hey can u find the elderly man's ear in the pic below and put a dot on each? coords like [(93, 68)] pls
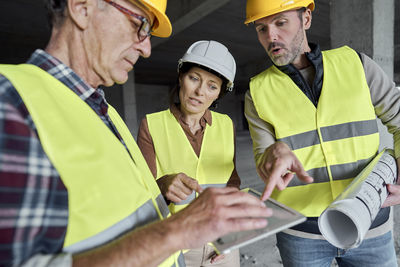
[(80, 11)]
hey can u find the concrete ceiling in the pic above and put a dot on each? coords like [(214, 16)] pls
[(23, 27)]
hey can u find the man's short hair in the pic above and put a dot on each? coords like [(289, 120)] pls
[(300, 12)]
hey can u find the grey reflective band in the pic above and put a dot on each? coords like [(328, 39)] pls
[(192, 196), (350, 129), (189, 199), (143, 215), (349, 170), (162, 205), (331, 133), (301, 140), (339, 172), (320, 175), (204, 186), (181, 260)]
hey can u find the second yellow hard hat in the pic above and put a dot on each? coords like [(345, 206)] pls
[(162, 26), (257, 9)]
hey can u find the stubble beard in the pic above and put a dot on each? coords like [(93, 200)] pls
[(292, 53)]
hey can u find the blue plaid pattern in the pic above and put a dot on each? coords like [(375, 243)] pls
[(33, 198)]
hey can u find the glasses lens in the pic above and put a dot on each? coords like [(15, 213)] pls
[(144, 30)]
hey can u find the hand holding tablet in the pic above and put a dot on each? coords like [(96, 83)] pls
[(282, 218)]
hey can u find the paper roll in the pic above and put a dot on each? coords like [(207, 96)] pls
[(346, 221)]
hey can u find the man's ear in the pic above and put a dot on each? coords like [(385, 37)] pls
[(307, 17), (80, 11)]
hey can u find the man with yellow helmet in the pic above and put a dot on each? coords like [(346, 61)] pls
[(75, 189), (312, 119)]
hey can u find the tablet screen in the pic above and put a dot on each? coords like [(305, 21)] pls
[(283, 217)]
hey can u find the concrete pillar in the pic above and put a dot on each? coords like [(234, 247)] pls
[(368, 27), (129, 104)]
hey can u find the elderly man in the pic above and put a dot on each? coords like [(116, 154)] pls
[(312, 122), (75, 189)]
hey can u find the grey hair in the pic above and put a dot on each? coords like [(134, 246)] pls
[(56, 11)]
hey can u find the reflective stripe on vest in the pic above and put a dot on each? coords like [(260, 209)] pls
[(181, 260), (108, 192), (174, 153), (143, 215), (333, 141)]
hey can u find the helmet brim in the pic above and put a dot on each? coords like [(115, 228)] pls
[(162, 26), (251, 19)]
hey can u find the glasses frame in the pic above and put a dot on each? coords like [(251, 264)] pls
[(145, 28)]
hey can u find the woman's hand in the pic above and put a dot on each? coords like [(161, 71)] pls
[(177, 187)]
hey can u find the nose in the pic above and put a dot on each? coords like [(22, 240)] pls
[(144, 47), (200, 88), (271, 34)]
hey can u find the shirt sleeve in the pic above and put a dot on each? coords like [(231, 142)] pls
[(33, 199), (385, 97), (146, 145), (60, 260), (262, 133)]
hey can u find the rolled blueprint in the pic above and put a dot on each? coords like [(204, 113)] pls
[(347, 219)]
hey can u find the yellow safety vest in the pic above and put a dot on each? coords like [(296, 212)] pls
[(175, 154), (110, 191), (334, 141)]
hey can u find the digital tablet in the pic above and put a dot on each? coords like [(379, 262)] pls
[(282, 218)]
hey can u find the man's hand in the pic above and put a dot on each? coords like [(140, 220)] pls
[(216, 258), (393, 190), (277, 167), (216, 212), (177, 187)]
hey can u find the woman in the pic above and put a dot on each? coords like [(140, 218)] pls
[(188, 147)]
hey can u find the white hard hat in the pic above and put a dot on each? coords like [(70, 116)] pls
[(214, 56)]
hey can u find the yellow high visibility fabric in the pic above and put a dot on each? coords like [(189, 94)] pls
[(174, 153), (104, 184), (345, 98)]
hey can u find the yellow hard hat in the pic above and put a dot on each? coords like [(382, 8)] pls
[(161, 26), (257, 9)]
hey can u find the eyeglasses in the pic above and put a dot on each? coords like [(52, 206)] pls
[(144, 29)]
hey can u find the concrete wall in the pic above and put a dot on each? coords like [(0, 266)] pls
[(231, 105), (150, 98)]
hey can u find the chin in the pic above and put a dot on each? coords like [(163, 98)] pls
[(280, 62), (120, 79), (197, 111)]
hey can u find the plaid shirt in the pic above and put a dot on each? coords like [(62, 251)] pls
[(33, 198)]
